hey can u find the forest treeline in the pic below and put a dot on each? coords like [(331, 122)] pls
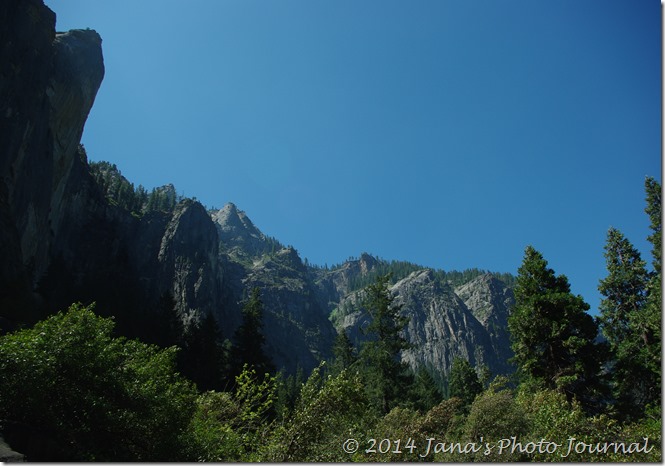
[(401, 269), (74, 390), (121, 192)]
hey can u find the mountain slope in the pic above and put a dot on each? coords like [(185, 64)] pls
[(74, 231)]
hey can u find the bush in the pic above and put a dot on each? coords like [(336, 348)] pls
[(72, 392), (212, 435), (329, 411), (583, 438)]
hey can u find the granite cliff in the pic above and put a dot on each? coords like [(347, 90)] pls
[(48, 84), (441, 325)]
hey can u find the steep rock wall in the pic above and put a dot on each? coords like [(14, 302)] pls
[(48, 84)]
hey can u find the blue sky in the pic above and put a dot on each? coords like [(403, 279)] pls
[(448, 133)]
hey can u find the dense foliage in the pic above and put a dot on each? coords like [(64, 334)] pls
[(70, 392)]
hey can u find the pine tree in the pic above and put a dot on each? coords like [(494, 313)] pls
[(249, 339), (288, 391), (425, 393), (624, 288), (167, 324), (631, 313), (344, 353), (625, 292), (553, 337), (654, 211), (463, 381), (388, 377), (650, 324)]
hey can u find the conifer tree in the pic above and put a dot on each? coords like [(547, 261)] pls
[(388, 377), (463, 381), (204, 359), (168, 327), (651, 321), (249, 339), (553, 337), (631, 313), (625, 292), (425, 393), (344, 353), (654, 211)]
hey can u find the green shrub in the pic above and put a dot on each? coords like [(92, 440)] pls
[(70, 392)]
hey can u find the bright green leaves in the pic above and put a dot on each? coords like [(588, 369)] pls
[(71, 391), (330, 410)]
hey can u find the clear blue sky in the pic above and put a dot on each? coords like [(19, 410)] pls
[(448, 133)]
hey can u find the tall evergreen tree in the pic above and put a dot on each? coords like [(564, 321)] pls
[(553, 337), (463, 381), (654, 211), (249, 339), (425, 393), (631, 313), (650, 323), (388, 378), (625, 292), (343, 352), (166, 323)]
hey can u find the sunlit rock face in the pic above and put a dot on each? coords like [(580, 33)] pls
[(443, 323), (490, 301)]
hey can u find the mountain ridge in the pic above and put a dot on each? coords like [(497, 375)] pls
[(79, 231)]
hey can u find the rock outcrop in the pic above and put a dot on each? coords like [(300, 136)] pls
[(188, 261), (441, 325), (7, 455), (333, 285), (297, 330), (490, 301), (241, 239)]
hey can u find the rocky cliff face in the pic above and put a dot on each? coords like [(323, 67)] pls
[(48, 84), (441, 325), (333, 285), (490, 301), (241, 239)]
